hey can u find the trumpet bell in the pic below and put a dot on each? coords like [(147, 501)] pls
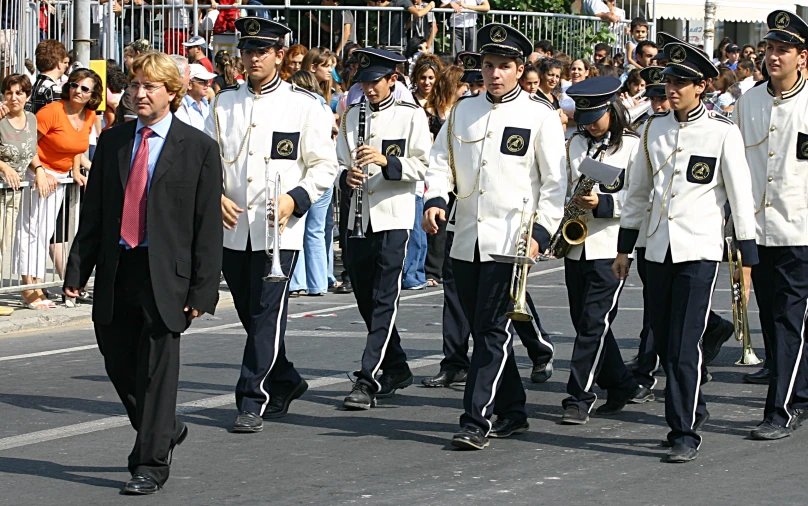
[(748, 357), (276, 274), (574, 232), (519, 316)]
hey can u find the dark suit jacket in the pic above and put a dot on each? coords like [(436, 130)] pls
[(184, 222)]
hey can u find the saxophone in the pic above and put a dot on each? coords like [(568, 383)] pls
[(572, 229)]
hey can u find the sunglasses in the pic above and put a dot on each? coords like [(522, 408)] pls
[(83, 88)]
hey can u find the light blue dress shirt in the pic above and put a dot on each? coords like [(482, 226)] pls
[(156, 142), (191, 113)]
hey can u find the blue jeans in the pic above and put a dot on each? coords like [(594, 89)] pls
[(414, 274), (311, 270)]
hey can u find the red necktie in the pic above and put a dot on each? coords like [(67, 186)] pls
[(133, 221)]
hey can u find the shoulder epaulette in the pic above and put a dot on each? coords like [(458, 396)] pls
[(304, 91), (464, 97), (662, 113), (631, 133), (406, 104), (542, 101), (720, 117), (232, 87)]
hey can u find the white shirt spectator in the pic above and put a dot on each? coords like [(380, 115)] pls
[(747, 84), (465, 19), (594, 7), (178, 17)]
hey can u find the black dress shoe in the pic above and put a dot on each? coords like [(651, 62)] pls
[(392, 382), (760, 377), (768, 431), (469, 439), (279, 405), (247, 422), (574, 415), (681, 453), (445, 379), (505, 427), (345, 288), (140, 484), (541, 372), (360, 397), (714, 339), (177, 441), (700, 420), (642, 395)]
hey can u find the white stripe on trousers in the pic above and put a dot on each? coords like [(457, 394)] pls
[(277, 332), (606, 327), (698, 348), (541, 338), (392, 319), (499, 374), (790, 390)]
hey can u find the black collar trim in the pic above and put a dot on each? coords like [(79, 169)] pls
[(269, 87), (508, 97), (798, 87), (384, 104)]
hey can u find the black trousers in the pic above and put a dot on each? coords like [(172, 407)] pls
[(376, 265), (142, 359), (344, 216), (647, 358), (680, 308), (593, 292), (781, 289), (262, 307), (435, 249), (456, 330), (493, 384)]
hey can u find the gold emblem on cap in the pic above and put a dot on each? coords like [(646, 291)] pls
[(678, 54), (498, 34), (285, 147), (393, 150), (782, 20), (804, 149), (364, 61), (252, 27), (700, 171), (582, 102), (654, 75), (613, 187), (469, 62), (515, 143)]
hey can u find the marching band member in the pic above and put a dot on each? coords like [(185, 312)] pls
[(592, 289), (689, 159), (774, 126), (265, 127), (495, 149), (396, 145)]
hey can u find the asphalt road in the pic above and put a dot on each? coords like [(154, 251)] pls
[(63, 439)]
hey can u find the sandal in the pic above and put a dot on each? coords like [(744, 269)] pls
[(38, 304), (431, 282)]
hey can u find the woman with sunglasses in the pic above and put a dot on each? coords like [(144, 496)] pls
[(63, 137)]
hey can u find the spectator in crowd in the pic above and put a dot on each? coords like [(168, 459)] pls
[(733, 53), (184, 70), (604, 10), (619, 61), (639, 34), (195, 51), (392, 34), (194, 108), (544, 48), (314, 271), (607, 69), (320, 62), (602, 50), (725, 90), (225, 71), (634, 84), (292, 60), (424, 30), (580, 70), (646, 51), (748, 52), (534, 58), (176, 28), (761, 50), (51, 63), (63, 136), (116, 84), (126, 110), (226, 20), (17, 156), (720, 55), (530, 79), (424, 73), (550, 84), (758, 73), (336, 31), (463, 24), (745, 74)]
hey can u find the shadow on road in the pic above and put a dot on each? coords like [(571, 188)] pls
[(45, 469)]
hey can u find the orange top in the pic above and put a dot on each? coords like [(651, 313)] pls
[(60, 141)]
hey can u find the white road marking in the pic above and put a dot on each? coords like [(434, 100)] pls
[(51, 352)]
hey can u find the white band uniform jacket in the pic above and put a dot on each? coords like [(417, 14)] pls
[(398, 130), (695, 166), (775, 133), (287, 125), (517, 149), (603, 222)]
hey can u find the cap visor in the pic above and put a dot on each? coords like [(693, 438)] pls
[(681, 72), (655, 91), (474, 76), (783, 36), (244, 43), (368, 76), (588, 117)]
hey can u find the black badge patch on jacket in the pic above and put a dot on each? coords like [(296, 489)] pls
[(515, 141), (701, 169), (284, 145), (394, 147), (616, 187), (802, 146)]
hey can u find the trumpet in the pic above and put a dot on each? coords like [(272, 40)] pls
[(572, 230), (739, 315), (276, 274), (358, 232), (521, 264)]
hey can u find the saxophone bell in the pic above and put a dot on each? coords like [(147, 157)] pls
[(574, 232)]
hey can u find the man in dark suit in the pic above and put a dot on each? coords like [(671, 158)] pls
[(151, 226)]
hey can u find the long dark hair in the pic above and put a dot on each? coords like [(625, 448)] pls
[(618, 124)]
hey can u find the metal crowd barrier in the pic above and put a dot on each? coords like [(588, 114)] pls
[(25, 243)]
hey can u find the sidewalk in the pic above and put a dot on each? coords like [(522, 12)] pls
[(28, 319)]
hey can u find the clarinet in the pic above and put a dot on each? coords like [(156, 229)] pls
[(358, 233)]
